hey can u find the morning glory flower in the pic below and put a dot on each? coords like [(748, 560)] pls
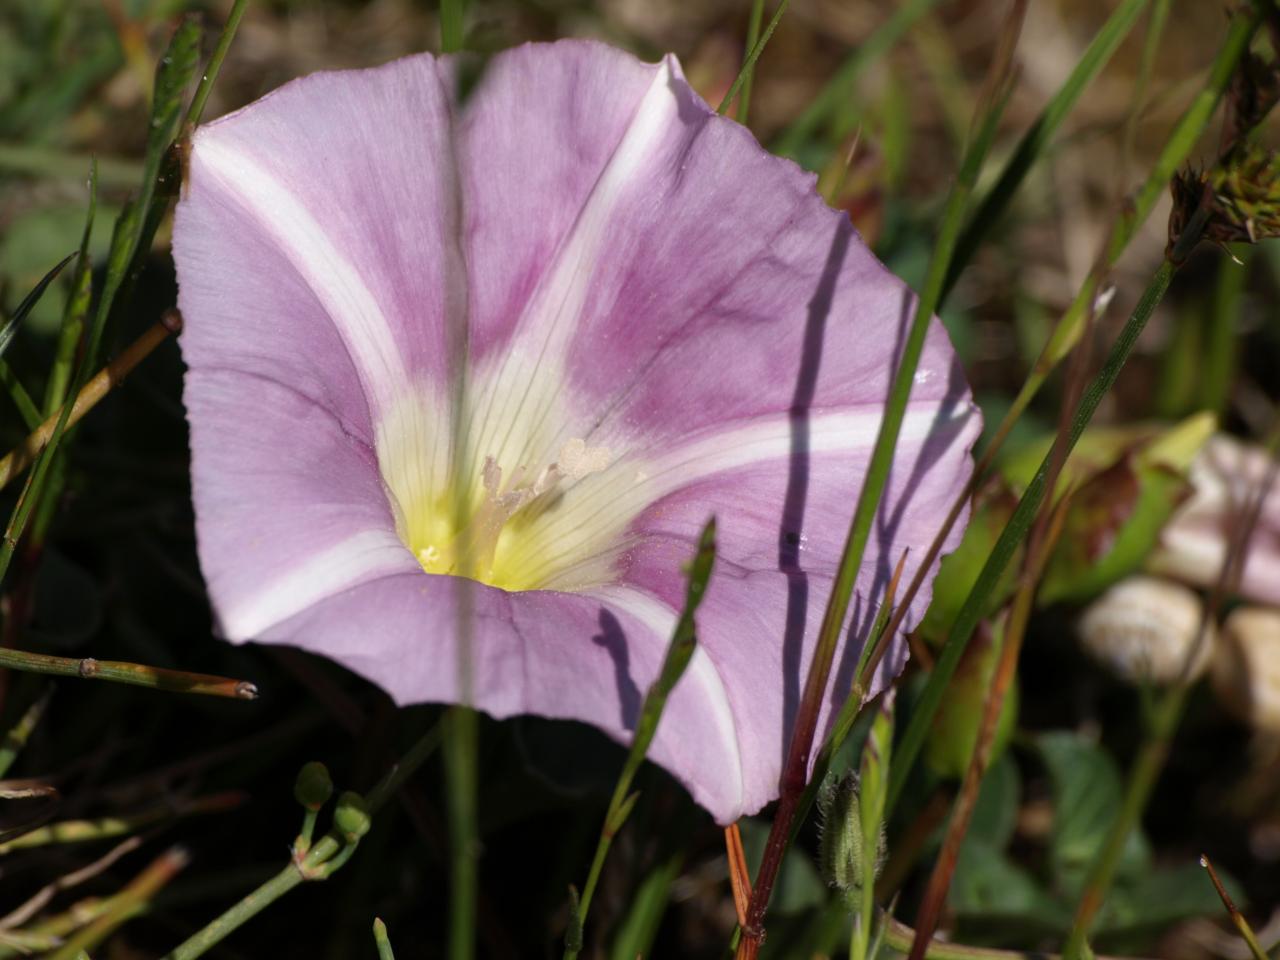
[(632, 315)]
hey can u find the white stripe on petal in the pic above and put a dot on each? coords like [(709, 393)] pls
[(356, 560), (591, 519), (528, 380), (702, 671), (333, 278), (772, 438)]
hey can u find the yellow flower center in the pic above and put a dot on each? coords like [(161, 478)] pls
[(498, 531)]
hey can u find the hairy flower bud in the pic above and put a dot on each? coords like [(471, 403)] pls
[(842, 854)]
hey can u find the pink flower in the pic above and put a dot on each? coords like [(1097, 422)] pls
[(635, 317), (1226, 477)]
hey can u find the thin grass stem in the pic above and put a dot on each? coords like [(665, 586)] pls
[(753, 37), (680, 651), (93, 392), (313, 866), (135, 674), (211, 70), (1237, 918), (796, 767), (749, 64), (840, 87), (1035, 142)]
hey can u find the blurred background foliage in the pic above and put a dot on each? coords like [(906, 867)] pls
[(117, 576)]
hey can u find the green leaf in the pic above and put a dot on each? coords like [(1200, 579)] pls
[(1086, 800), (995, 814), (639, 927), (28, 303), (988, 886), (1157, 898)]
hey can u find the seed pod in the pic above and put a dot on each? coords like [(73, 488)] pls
[(1246, 667), (351, 816), (314, 787), (1144, 629)]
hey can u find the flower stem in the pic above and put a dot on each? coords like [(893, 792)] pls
[(460, 776), (139, 675), (796, 768), (684, 641), (1142, 780), (1166, 714), (312, 866), (1015, 530)]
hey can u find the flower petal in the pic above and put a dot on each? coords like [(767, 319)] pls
[(277, 533), (568, 656), (361, 205), (589, 260)]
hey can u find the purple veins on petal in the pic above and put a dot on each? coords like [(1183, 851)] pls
[(637, 316)]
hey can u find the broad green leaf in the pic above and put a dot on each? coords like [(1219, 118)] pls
[(988, 886), (1086, 799)]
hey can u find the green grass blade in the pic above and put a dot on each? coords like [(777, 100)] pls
[(1036, 140), (196, 110), (840, 87), (753, 37), (684, 641), (27, 408), (749, 65), (76, 309), (10, 329), (1015, 531), (173, 76)]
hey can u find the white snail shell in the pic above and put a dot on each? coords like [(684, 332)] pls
[(1143, 629), (1246, 668)]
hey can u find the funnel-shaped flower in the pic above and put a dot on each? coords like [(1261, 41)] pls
[(633, 317)]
